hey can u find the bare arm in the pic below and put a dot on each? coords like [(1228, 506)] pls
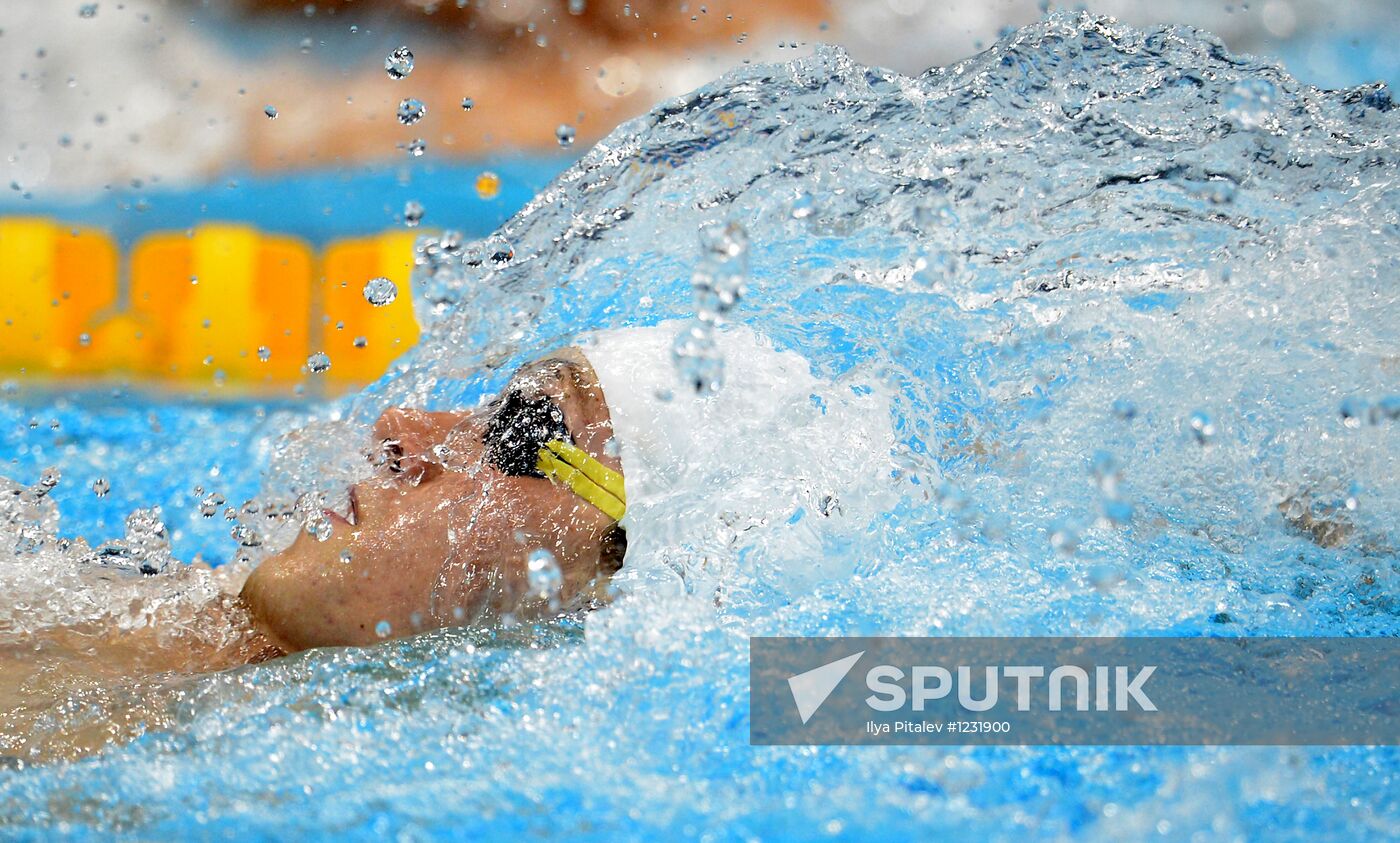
[(68, 691)]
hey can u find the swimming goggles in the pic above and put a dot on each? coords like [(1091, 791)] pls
[(527, 437)]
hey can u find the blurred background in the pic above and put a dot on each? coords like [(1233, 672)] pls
[(145, 119), (110, 97)]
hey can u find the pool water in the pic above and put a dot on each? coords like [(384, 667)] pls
[(317, 206), (1131, 303)]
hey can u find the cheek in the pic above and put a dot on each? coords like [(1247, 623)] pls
[(339, 592), (406, 572), (390, 568), (391, 583)]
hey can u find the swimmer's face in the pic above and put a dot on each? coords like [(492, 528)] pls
[(442, 536)]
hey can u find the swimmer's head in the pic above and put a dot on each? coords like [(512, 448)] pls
[(444, 535)]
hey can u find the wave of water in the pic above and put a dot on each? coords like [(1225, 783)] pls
[(1133, 303)]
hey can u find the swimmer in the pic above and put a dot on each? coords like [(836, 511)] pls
[(578, 481)]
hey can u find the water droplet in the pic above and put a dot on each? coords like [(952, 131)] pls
[(399, 63), (319, 527), (697, 358), (718, 284), (412, 213), (411, 111), (498, 251), (1201, 427), (380, 291), (382, 629), (565, 134), (359, 342), (415, 148), (1124, 409), (306, 45), (101, 487), (577, 7), (48, 479), (146, 540), (318, 363), (85, 339), (346, 557), (88, 10), (264, 353), (270, 111), (544, 577), (488, 185), (211, 504), (467, 103)]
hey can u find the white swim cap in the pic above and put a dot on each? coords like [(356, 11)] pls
[(772, 443)]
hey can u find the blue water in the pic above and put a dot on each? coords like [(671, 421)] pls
[(317, 206), (1132, 303)]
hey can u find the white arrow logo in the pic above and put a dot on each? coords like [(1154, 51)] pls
[(810, 689)]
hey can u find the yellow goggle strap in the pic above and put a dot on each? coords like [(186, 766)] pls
[(586, 477)]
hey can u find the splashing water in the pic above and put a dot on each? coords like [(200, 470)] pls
[(318, 363), (399, 63), (543, 577), (411, 111), (381, 291), (1115, 288)]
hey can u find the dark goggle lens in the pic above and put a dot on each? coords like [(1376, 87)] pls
[(518, 429)]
